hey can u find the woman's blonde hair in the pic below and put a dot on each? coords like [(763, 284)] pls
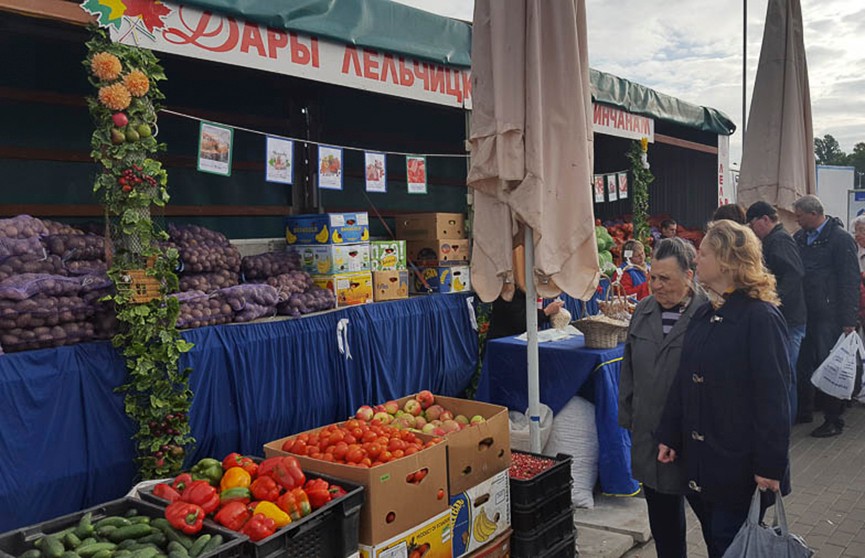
[(739, 251)]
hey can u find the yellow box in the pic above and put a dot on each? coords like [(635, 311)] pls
[(349, 288), (390, 285), (431, 539)]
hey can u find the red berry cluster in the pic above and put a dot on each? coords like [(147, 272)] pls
[(133, 177), (524, 466)]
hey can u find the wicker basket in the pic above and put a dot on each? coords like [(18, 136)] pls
[(601, 332), (142, 288)]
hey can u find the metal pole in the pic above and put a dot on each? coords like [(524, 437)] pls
[(532, 343), (744, 68)]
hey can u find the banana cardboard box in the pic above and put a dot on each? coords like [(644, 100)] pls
[(431, 539), (333, 258), (481, 514), (387, 255), (445, 279), (349, 288), (390, 285), (433, 250), (327, 228)]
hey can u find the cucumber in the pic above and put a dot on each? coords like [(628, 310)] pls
[(177, 554), (129, 532), (214, 543), (131, 512), (122, 553), (72, 541), (140, 519), (173, 534), (128, 543), (52, 547), (148, 552), (103, 554), (70, 554), (199, 545), (176, 547), (88, 540), (32, 553), (85, 527), (91, 549), (156, 537), (113, 520), (105, 530)]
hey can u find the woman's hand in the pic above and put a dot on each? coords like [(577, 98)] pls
[(666, 454), (553, 308), (767, 484)]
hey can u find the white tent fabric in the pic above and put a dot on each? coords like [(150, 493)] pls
[(778, 163), (531, 137)]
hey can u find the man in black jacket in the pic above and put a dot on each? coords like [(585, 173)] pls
[(781, 255), (832, 298)]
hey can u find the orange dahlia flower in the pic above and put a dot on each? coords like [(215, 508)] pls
[(137, 83), (105, 66), (115, 97)]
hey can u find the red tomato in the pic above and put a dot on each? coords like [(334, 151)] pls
[(383, 441), (373, 450), (310, 450), (368, 436), (396, 444), (288, 444), (385, 457), (411, 450), (299, 448), (357, 432), (303, 438), (316, 455), (339, 450), (354, 455), (366, 461), (421, 475), (398, 454), (349, 439), (407, 436), (351, 424)]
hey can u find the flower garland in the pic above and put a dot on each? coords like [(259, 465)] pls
[(157, 394), (638, 155)]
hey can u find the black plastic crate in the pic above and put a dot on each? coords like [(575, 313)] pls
[(565, 549), (526, 520), (545, 538), (528, 494), (16, 542), (331, 530)]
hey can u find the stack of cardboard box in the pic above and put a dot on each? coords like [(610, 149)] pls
[(437, 243), (334, 249)]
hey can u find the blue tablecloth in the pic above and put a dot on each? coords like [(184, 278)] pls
[(66, 442), (566, 367)]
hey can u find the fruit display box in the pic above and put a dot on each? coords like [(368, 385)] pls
[(499, 548), (438, 251), (431, 539), (393, 503), (390, 285), (443, 280), (480, 514), (349, 288), (538, 489), (327, 228), (317, 259), (431, 225), (387, 255)]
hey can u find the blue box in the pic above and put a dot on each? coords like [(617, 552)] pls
[(327, 228), (444, 280)]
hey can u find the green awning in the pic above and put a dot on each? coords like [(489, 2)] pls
[(391, 27)]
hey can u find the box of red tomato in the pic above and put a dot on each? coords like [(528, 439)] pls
[(404, 475)]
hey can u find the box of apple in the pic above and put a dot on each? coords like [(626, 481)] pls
[(420, 413)]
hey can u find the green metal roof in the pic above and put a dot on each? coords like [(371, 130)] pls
[(388, 26)]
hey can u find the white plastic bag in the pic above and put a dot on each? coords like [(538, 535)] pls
[(520, 437), (836, 376), (574, 433)]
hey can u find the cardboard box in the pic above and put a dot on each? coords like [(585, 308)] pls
[(329, 259), (431, 225), (349, 288), (499, 548), (386, 490), (443, 279), (387, 255), (481, 514), (438, 250), (479, 452), (390, 285), (327, 228), (432, 539)]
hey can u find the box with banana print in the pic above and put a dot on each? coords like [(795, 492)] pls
[(327, 228), (333, 258), (480, 514)]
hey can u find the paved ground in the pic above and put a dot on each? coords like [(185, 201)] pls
[(827, 506)]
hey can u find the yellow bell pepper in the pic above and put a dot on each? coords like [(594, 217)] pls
[(271, 510), (235, 477)]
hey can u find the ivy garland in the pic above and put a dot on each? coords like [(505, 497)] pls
[(157, 394), (640, 189)]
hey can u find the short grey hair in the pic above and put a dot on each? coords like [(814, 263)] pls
[(809, 204), (680, 249), (858, 222)]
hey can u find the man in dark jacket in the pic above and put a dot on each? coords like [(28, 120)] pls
[(832, 298), (781, 255)]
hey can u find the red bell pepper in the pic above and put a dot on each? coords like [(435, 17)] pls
[(265, 488), (285, 471), (259, 527), (185, 517), (181, 482), (242, 461), (295, 503), (201, 493), (163, 490), (233, 515), (318, 491), (336, 491)]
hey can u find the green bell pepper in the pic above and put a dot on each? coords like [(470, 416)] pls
[(209, 470)]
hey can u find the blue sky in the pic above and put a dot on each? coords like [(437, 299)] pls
[(692, 49)]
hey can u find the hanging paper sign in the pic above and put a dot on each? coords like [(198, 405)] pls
[(280, 154), (416, 173), (376, 175), (612, 187), (330, 167), (623, 185), (599, 188), (214, 148)]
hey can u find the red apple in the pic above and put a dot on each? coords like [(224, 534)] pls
[(462, 419), (477, 419), (364, 413), (428, 428), (450, 426), (439, 432), (425, 398), (412, 407), (379, 409), (391, 407), (420, 422), (434, 412), (119, 119), (446, 415), (384, 418)]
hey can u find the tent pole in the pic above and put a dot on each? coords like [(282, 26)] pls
[(744, 68), (532, 343)]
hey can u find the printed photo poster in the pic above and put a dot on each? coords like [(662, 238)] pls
[(214, 148), (612, 187), (599, 188), (623, 185), (416, 173), (280, 155), (376, 175), (329, 167)]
